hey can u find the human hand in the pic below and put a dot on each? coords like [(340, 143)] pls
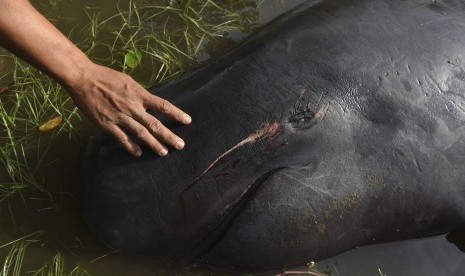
[(112, 100), (118, 105)]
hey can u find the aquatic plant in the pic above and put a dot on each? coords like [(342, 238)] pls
[(56, 266), (13, 261), (30, 101), (153, 41), (168, 37)]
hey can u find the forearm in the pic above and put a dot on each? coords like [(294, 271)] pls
[(26, 33), (112, 100)]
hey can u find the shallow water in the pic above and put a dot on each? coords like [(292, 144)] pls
[(428, 256), (64, 231)]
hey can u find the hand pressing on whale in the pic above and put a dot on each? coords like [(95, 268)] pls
[(110, 99), (118, 105)]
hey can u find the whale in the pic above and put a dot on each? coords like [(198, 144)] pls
[(339, 124)]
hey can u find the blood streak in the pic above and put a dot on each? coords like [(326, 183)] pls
[(266, 130)]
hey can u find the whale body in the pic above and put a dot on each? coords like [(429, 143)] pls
[(338, 125)]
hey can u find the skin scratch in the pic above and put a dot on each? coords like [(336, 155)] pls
[(267, 130)]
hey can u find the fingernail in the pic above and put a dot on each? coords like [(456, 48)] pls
[(187, 119), (138, 152), (163, 152), (180, 144)]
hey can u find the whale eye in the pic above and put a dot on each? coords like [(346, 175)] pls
[(302, 120)]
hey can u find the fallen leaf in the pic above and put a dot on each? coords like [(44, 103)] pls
[(50, 125)]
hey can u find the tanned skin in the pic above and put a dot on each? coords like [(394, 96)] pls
[(112, 100)]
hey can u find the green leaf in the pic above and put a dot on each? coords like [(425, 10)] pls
[(133, 58)]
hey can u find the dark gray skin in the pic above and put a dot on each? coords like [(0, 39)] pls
[(352, 121)]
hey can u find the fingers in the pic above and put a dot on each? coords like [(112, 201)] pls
[(118, 104), (143, 134), (148, 127), (157, 129), (165, 107), (124, 140)]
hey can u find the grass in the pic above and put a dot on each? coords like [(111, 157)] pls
[(14, 259), (32, 99), (170, 38), (153, 41), (166, 39), (56, 266)]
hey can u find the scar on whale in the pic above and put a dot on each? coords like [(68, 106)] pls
[(266, 131)]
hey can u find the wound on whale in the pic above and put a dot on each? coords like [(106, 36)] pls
[(341, 123)]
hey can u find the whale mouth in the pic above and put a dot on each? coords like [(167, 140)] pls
[(110, 209), (208, 242), (249, 152)]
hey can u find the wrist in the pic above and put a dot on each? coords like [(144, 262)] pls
[(79, 71)]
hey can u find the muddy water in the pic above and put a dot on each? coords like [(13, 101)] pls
[(65, 232)]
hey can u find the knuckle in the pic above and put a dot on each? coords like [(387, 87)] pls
[(120, 118), (123, 140), (165, 106), (141, 133), (155, 126), (172, 139), (105, 119)]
